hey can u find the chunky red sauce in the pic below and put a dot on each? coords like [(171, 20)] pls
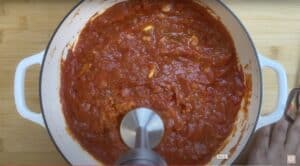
[(173, 57)]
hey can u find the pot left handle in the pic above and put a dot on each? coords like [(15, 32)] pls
[(19, 90)]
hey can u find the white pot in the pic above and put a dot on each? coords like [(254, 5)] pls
[(52, 116)]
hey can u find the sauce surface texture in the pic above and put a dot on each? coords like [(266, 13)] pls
[(171, 56)]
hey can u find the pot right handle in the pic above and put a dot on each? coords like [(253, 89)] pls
[(275, 116)]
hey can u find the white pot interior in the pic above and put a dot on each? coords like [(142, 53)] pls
[(66, 34)]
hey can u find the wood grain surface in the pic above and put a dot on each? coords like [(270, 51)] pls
[(26, 27)]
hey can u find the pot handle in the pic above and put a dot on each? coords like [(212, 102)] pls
[(275, 116), (19, 81)]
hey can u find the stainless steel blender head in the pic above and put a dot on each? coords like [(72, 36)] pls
[(141, 129)]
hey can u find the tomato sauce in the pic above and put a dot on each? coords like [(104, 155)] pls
[(171, 56)]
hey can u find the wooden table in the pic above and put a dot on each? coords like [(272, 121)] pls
[(26, 26)]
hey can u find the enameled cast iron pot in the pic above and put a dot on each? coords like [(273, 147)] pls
[(66, 33)]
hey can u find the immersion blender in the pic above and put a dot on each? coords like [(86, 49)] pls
[(141, 130)]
